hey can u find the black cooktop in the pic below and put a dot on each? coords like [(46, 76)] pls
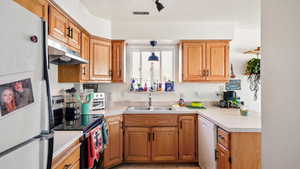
[(83, 123)]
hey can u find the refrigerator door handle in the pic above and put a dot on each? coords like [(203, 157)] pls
[(42, 136), (50, 112)]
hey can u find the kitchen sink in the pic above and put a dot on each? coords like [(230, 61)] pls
[(154, 108)]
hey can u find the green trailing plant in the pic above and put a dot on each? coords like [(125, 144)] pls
[(253, 72)]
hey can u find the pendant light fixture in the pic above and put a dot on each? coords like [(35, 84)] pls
[(153, 57)]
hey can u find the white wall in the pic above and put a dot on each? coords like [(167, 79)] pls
[(171, 30), (280, 97), (242, 39), (94, 25)]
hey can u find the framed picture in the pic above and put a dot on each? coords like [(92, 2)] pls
[(15, 95), (233, 85)]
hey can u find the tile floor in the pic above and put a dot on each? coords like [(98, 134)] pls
[(157, 166)]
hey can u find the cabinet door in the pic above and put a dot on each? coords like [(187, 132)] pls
[(57, 25), (194, 61), (113, 155), (74, 36), (217, 59), (187, 138), (137, 144), (117, 60), (165, 144), (223, 157), (76, 165), (38, 7), (100, 60), (85, 53)]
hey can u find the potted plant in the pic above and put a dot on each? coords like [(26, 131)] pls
[(253, 71)]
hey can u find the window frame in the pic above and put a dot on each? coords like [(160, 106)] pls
[(146, 48)]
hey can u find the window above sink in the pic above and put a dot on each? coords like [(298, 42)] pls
[(139, 67)]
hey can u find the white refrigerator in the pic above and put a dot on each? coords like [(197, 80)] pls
[(26, 140)]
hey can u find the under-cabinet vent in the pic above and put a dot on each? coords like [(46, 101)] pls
[(141, 13)]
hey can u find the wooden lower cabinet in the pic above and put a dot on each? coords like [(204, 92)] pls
[(113, 154), (223, 157), (245, 150), (164, 143), (187, 138), (238, 150), (76, 165), (70, 158), (137, 144), (160, 138)]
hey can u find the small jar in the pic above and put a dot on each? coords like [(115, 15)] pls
[(243, 109)]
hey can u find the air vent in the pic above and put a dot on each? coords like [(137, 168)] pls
[(140, 13)]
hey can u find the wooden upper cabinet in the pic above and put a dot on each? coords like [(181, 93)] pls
[(38, 7), (80, 72), (74, 38), (58, 25), (164, 144), (117, 60), (137, 144), (63, 29), (187, 138), (223, 158), (85, 53), (217, 61), (100, 59), (205, 60), (194, 61), (113, 154)]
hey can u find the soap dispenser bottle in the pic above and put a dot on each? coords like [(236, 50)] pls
[(181, 101)]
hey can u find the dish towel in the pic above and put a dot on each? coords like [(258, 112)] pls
[(105, 133), (95, 146)]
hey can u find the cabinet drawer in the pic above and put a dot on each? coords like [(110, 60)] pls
[(69, 158), (223, 138), (150, 120), (114, 118)]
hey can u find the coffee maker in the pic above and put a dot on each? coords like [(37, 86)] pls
[(230, 100)]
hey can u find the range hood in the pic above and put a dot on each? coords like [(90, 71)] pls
[(59, 54)]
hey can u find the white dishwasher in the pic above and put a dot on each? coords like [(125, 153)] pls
[(206, 143)]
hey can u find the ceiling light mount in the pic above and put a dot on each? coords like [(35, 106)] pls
[(159, 5)]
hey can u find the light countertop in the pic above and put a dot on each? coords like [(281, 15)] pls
[(228, 119), (63, 139)]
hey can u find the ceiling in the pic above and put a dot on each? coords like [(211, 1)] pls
[(240, 11)]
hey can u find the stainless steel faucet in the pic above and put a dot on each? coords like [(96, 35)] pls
[(150, 101)]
